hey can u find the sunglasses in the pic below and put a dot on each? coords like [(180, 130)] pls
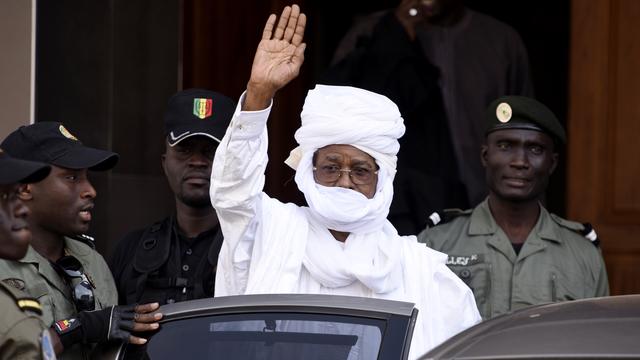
[(71, 269)]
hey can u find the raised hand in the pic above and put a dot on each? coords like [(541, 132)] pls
[(278, 58)]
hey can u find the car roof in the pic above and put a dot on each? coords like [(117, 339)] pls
[(587, 328), (288, 302)]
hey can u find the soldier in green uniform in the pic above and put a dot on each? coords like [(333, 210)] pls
[(61, 268), (22, 333), (510, 250)]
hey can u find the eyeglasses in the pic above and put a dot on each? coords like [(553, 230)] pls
[(83, 296), (331, 173)]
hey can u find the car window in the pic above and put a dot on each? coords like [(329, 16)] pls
[(268, 336)]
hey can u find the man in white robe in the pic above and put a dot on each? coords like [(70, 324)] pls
[(342, 243)]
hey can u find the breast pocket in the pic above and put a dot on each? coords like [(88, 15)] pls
[(476, 273), (42, 293), (567, 285)]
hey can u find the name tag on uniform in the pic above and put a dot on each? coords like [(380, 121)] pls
[(464, 260)]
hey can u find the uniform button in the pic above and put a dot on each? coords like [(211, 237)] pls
[(465, 273), (189, 251), (170, 301), (185, 267)]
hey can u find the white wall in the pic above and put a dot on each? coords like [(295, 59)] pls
[(17, 64)]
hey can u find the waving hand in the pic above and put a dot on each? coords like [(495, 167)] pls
[(278, 58)]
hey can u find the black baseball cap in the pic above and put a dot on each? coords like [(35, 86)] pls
[(51, 143), (194, 112), (14, 171), (521, 112)]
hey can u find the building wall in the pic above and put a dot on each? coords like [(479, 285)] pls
[(16, 64)]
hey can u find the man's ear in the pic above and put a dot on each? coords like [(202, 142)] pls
[(24, 192), (483, 154)]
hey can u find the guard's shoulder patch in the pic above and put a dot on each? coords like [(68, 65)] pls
[(446, 215), (47, 346), (584, 229), (85, 239), (15, 283), (24, 302)]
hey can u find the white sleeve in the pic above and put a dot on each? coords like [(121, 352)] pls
[(237, 181)]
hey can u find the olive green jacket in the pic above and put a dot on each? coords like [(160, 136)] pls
[(35, 276), (20, 329), (556, 262)]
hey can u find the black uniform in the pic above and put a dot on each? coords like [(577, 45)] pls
[(160, 264), (390, 64)]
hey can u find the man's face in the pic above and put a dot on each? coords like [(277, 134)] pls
[(187, 166), (62, 202), (14, 231), (331, 159), (435, 10), (518, 163)]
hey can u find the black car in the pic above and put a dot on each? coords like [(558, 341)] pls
[(598, 328), (279, 326)]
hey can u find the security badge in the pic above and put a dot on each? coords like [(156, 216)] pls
[(202, 108), (504, 112), (464, 260), (66, 133)]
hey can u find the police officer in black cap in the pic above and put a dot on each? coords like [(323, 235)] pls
[(510, 250), (22, 333), (175, 259), (61, 268)]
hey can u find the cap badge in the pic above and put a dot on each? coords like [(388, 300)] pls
[(503, 112), (202, 107), (66, 133)]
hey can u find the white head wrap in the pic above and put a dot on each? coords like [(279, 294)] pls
[(350, 116)]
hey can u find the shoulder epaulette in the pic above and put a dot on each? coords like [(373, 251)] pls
[(444, 216), (23, 301), (584, 229), (590, 234), (86, 239)]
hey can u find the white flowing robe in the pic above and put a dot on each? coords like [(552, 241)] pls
[(265, 243)]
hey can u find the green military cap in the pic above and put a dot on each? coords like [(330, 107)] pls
[(520, 112)]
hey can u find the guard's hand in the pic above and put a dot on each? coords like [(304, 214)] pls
[(278, 59), (133, 318), (409, 13), (113, 323)]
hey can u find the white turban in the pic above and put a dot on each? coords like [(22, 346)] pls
[(348, 116)]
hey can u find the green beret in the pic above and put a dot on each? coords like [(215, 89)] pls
[(520, 112)]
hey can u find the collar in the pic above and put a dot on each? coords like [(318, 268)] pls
[(71, 247), (483, 223), (181, 236)]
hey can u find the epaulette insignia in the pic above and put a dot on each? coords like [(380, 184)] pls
[(444, 216), (590, 234), (86, 239), (31, 305)]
